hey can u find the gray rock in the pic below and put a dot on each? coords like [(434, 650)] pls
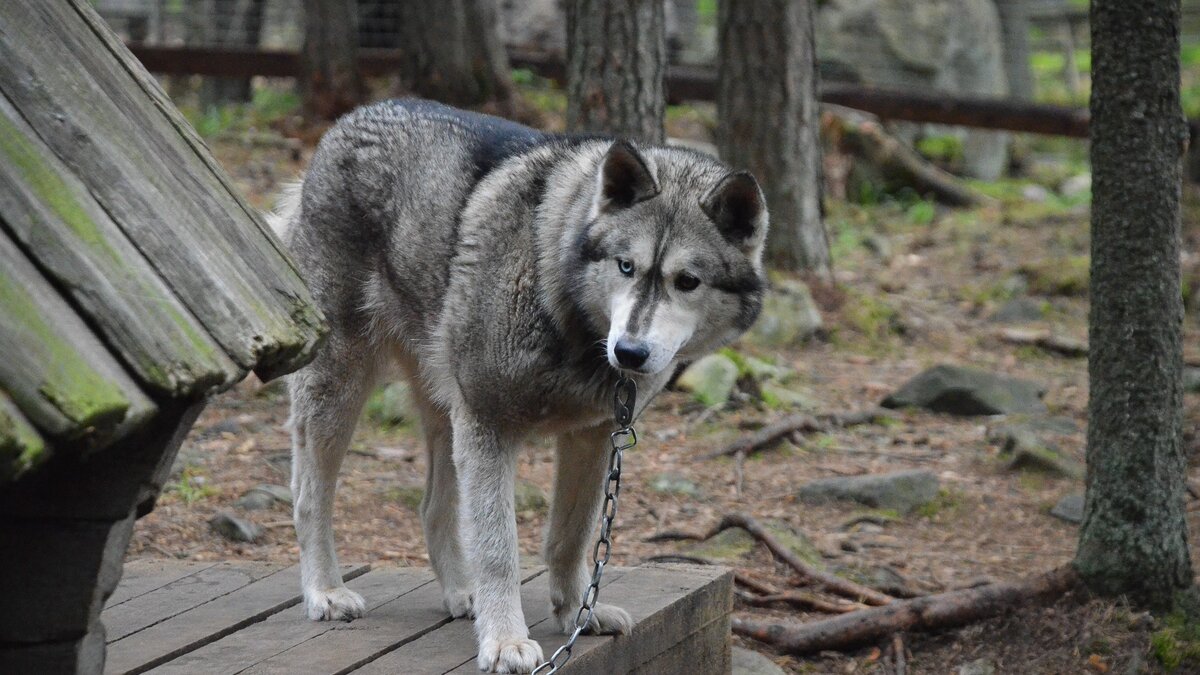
[(530, 497), (1035, 193), (391, 405), (902, 490), (264, 497), (977, 667), (1069, 508), (1076, 186), (674, 484), (1019, 310), (780, 397), (235, 529), (710, 380), (789, 316), (747, 662), (968, 391), (229, 425), (879, 245), (1191, 379), (1026, 451)]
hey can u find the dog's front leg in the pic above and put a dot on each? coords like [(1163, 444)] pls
[(486, 464), (580, 471)]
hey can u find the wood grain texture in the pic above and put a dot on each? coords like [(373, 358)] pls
[(21, 447), (57, 372), (142, 576), (76, 243), (155, 184)]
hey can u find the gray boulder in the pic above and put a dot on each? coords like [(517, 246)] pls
[(1191, 379), (235, 529), (902, 491), (789, 316), (968, 391), (1027, 451), (710, 380), (264, 497), (1018, 310), (1069, 508)]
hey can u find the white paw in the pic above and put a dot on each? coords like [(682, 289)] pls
[(334, 604), (606, 620), (458, 603), (514, 655)]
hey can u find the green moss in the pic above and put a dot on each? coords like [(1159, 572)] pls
[(948, 502), (1177, 644), (408, 496), (193, 486), (1059, 276), (21, 448)]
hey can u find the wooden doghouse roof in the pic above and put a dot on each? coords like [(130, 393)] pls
[(131, 271)]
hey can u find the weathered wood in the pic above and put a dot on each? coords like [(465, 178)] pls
[(141, 170), (75, 242), (142, 576), (56, 371), (21, 447), (210, 621)]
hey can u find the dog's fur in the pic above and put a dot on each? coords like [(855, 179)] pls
[(493, 263)]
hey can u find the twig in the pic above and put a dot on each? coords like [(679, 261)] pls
[(899, 663), (800, 599), (829, 582), (944, 610), (773, 433)]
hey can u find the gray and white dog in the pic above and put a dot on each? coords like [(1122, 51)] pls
[(511, 274)]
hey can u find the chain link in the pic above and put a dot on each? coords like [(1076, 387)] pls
[(624, 438)]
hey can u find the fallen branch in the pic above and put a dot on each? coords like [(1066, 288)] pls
[(773, 433), (802, 600), (1044, 339), (899, 662), (945, 610), (675, 535), (822, 580)]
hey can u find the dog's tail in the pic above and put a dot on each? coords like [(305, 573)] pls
[(287, 209)]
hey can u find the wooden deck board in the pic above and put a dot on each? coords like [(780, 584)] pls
[(142, 576), (682, 615)]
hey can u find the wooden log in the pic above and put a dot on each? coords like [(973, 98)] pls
[(945, 610), (139, 168), (77, 244), (21, 447), (61, 377)]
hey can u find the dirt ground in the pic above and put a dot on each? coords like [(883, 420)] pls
[(927, 300)]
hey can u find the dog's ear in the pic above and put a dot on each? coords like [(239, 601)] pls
[(625, 177), (737, 205)]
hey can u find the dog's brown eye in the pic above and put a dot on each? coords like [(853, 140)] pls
[(686, 282), (626, 266)]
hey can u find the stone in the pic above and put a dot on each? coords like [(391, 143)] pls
[(731, 545), (1191, 379), (229, 425), (1026, 450), (901, 491), (789, 316), (264, 497), (530, 497), (1034, 193), (710, 380), (763, 370), (968, 391), (748, 662), (391, 405), (780, 397), (1069, 508), (674, 484), (977, 667), (1019, 310), (235, 529), (879, 245), (1076, 186)]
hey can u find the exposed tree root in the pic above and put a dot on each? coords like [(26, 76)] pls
[(1044, 339), (773, 433)]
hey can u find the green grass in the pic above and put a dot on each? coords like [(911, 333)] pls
[(1177, 644), (269, 106), (192, 486)]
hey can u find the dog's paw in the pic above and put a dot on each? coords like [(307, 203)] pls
[(334, 604), (458, 603), (606, 620), (514, 655)]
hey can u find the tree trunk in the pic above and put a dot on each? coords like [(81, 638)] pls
[(330, 84), (767, 108), (1014, 32), (1134, 539), (233, 23), (453, 52), (616, 60)]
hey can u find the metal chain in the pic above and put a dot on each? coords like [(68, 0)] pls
[(624, 438)]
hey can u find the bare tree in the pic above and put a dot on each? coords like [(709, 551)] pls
[(330, 83), (767, 109), (616, 59), (1134, 538), (1014, 29)]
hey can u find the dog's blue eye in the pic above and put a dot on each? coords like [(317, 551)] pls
[(686, 282), (626, 266)]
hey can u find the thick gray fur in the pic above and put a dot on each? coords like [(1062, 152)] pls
[(482, 257)]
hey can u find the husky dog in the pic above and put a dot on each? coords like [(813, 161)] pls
[(512, 275)]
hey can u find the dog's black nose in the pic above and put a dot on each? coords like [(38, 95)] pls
[(631, 354)]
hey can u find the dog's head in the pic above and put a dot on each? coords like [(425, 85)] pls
[(671, 255)]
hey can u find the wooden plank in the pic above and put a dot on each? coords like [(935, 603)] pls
[(707, 651), (57, 372), (386, 628), (77, 244), (139, 577), (259, 642), (178, 597), (211, 621), (142, 172), (21, 447)]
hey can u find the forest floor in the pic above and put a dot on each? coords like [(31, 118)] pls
[(919, 286)]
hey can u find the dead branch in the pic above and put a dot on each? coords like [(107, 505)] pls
[(802, 600), (899, 663), (1044, 339), (945, 610), (822, 580), (773, 433), (675, 535)]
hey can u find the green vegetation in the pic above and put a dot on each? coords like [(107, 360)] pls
[(269, 106), (192, 486), (1058, 275), (1177, 644), (948, 503)]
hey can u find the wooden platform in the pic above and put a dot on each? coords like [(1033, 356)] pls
[(206, 618)]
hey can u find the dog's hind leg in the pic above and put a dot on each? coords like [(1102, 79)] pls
[(439, 506), (580, 469), (327, 398)]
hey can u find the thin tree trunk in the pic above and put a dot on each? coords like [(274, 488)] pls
[(767, 107), (453, 52), (1014, 29), (616, 60), (330, 83), (1133, 539), (216, 23)]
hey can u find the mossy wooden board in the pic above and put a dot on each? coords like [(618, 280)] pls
[(21, 447), (57, 222)]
